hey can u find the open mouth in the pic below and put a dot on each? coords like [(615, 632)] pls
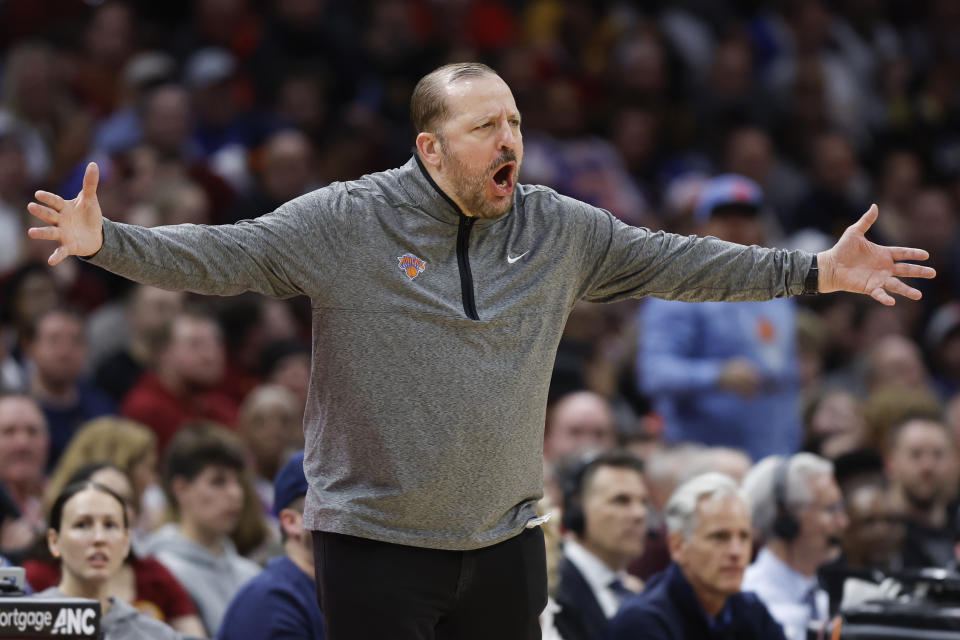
[(98, 559), (503, 179)]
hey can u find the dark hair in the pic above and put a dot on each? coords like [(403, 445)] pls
[(577, 478), (196, 447), (428, 105), (56, 512)]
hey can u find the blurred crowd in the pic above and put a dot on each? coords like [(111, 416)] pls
[(213, 111)]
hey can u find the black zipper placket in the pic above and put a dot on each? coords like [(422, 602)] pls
[(463, 263)]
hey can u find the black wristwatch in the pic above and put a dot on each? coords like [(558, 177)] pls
[(811, 284)]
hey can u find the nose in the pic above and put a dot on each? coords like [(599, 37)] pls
[(508, 136)]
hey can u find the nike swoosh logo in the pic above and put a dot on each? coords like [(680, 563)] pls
[(511, 260)]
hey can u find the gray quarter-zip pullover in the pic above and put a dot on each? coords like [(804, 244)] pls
[(434, 334)]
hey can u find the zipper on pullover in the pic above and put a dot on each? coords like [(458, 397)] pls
[(463, 262)]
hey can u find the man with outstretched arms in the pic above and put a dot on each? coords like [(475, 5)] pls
[(439, 291)]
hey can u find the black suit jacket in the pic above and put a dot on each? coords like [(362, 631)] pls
[(580, 616)]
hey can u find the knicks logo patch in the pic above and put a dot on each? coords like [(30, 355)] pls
[(411, 265)]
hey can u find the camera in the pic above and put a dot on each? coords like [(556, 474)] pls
[(925, 604)]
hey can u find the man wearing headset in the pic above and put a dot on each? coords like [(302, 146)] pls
[(799, 516), (605, 514)]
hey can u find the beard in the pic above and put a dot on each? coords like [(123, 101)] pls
[(470, 186)]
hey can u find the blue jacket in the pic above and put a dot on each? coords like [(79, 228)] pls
[(683, 348), (668, 609), (280, 603)]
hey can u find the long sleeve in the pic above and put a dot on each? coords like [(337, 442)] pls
[(632, 261), (281, 254), (667, 360)]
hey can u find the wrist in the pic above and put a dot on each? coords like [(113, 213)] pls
[(811, 283)]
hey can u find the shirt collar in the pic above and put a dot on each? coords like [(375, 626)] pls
[(789, 580), (687, 600), (427, 195), (595, 572)]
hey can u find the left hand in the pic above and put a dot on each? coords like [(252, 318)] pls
[(855, 264)]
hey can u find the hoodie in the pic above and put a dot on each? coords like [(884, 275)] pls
[(211, 580), (123, 622), (435, 334)]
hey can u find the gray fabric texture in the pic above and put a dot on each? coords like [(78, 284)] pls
[(425, 427), (211, 580), (124, 622)]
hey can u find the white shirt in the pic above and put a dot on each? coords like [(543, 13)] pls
[(783, 590), (597, 574)]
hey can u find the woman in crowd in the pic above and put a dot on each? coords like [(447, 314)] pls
[(129, 446), (140, 581), (90, 534)]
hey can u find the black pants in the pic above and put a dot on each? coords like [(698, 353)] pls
[(371, 590)]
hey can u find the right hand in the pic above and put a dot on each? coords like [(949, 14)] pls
[(739, 376), (76, 224)]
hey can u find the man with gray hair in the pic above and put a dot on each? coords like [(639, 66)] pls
[(699, 594), (440, 290), (798, 513)]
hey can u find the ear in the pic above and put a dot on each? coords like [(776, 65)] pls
[(292, 522), (428, 145), (677, 544), (53, 542)]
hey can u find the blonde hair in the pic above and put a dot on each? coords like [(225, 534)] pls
[(119, 441)]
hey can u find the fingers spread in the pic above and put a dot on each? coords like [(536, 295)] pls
[(894, 285), (908, 253), (882, 297), (46, 214), (907, 270), (57, 256), (52, 200), (866, 220), (44, 233), (90, 179)]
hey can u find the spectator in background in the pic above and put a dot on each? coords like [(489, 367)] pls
[(189, 363), (24, 444), (286, 363), (270, 424), (834, 424), (285, 171), (750, 152), (202, 479), (921, 462), (942, 342), (605, 510), (127, 445), (141, 581), (699, 595), (287, 586), (57, 350), (90, 520), (722, 373), (799, 516), (839, 191), (664, 471), (578, 422), (896, 361), (876, 533), (149, 312)]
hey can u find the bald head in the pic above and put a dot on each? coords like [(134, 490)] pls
[(428, 104)]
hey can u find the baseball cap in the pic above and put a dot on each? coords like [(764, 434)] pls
[(289, 484), (725, 190)]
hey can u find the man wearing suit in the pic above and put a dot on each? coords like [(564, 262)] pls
[(604, 511)]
